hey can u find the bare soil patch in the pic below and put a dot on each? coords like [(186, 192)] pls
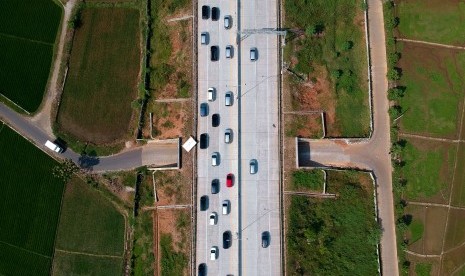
[(172, 188)]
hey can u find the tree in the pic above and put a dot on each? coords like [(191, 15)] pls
[(393, 74), (395, 93), (395, 111), (65, 170)]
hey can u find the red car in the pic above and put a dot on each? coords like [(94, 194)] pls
[(229, 180)]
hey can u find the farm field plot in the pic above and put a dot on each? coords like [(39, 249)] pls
[(437, 21), (29, 206), (101, 84), (434, 89), (327, 61), (432, 103), (429, 168), (89, 224), (334, 236), (27, 36)]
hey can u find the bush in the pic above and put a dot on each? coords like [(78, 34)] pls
[(393, 74), (395, 93)]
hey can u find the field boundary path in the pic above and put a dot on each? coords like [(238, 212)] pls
[(431, 43), (43, 118), (367, 154)]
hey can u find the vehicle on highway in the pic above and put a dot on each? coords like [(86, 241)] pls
[(213, 253), (229, 180), (215, 186), (228, 98), (54, 147), (228, 136), (225, 207), (211, 94), (203, 203), (253, 54), (204, 38), (227, 22), (213, 218), (229, 51), (205, 12), (215, 120), (265, 239), (215, 13), (202, 269), (203, 109), (227, 240), (215, 159), (253, 166), (214, 53), (203, 141)]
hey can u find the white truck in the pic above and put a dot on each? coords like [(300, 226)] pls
[(53, 146)]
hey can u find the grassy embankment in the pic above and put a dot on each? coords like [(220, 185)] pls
[(329, 63)]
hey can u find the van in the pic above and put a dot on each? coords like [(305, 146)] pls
[(204, 38), (227, 22), (205, 12), (228, 136), (229, 51), (253, 166), (215, 159), (211, 94), (203, 109), (225, 207), (253, 54), (228, 98), (214, 53), (54, 147), (203, 141), (215, 13)]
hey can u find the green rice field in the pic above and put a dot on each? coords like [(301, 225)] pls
[(28, 30), (97, 228), (29, 206)]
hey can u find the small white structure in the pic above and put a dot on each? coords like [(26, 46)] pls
[(189, 144)]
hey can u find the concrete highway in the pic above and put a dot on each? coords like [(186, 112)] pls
[(253, 117), (221, 75), (150, 154), (259, 121)]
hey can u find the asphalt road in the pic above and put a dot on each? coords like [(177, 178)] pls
[(259, 120), (150, 154), (371, 154), (222, 75)]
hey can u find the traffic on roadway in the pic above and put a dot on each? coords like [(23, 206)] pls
[(238, 214)]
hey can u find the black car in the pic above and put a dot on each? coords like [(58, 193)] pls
[(215, 14), (204, 203), (203, 141), (205, 12), (215, 120), (227, 240), (215, 186), (214, 53), (202, 269), (265, 239)]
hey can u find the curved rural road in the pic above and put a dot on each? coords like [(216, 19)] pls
[(155, 154), (370, 154)]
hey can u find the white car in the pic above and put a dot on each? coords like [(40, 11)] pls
[(225, 207), (211, 94), (213, 253), (213, 218)]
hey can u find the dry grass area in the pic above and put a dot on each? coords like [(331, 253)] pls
[(303, 125)]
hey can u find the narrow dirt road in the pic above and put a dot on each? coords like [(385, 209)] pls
[(43, 118), (369, 154)]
